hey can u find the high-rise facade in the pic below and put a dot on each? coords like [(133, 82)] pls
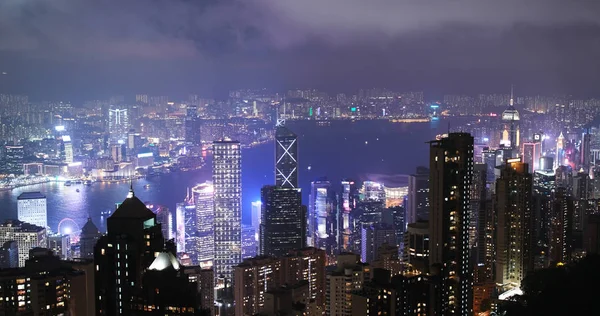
[(227, 182), (122, 255), (561, 227), (418, 196), (451, 172), (514, 230), (283, 223), (286, 158), (199, 228), (32, 208), (348, 200), (256, 215), (27, 236), (87, 239), (317, 212), (118, 124), (532, 152)]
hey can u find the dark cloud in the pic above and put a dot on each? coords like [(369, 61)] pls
[(331, 43)]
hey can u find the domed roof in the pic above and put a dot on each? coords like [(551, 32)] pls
[(163, 261), (510, 114)]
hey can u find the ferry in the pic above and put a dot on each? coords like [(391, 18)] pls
[(68, 183), (147, 186)]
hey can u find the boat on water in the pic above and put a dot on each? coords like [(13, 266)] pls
[(68, 183), (77, 190), (88, 182), (147, 186)]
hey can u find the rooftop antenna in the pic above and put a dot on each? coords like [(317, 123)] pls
[(448, 127), (130, 194), (511, 95)]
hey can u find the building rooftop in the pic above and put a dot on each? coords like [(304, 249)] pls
[(132, 207), (22, 226), (283, 131), (89, 228), (31, 196)]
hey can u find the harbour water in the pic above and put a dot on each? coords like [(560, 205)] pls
[(343, 149)]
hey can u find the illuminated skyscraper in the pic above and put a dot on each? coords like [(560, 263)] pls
[(227, 181), (121, 256), (511, 118), (450, 177), (256, 215), (532, 152), (199, 227), (283, 224), (514, 231), (418, 196), (318, 213), (559, 158), (348, 200), (286, 158), (32, 209), (68, 148), (118, 124)]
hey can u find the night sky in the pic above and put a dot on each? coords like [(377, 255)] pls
[(83, 49)]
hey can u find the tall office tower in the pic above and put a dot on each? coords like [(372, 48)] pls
[(32, 209), (559, 158), (450, 177), (133, 239), (249, 244), (586, 150), (532, 152), (418, 196), (118, 124), (561, 227), (511, 118), (27, 236), (373, 191), (286, 158), (200, 227), (227, 181), (68, 145), (373, 237), (87, 239), (514, 232), (283, 223), (478, 199), (186, 207), (318, 211), (165, 217), (256, 214), (489, 159), (348, 199)]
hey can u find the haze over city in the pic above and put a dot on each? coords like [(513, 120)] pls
[(79, 50)]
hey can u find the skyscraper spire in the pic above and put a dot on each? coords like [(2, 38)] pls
[(511, 95), (130, 194)]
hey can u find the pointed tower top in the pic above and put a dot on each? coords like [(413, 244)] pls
[(511, 95), (561, 135)]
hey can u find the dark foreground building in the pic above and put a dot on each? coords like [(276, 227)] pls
[(136, 274)]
